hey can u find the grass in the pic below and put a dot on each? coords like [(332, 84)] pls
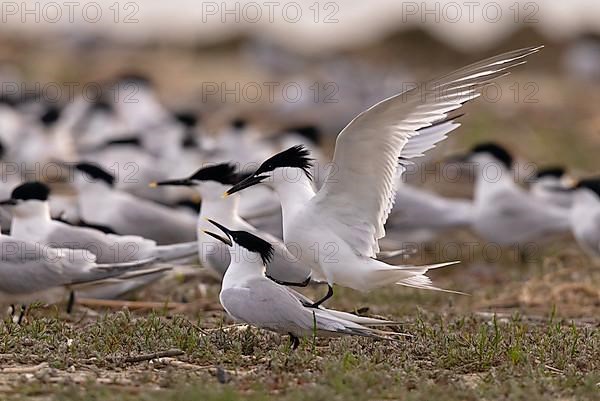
[(450, 357), (528, 332)]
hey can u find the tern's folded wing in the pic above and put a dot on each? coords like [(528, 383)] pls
[(265, 304)]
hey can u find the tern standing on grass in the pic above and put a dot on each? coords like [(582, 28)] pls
[(248, 296), (337, 228)]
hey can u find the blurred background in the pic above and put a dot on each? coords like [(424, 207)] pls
[(269, 66), (307, 62)]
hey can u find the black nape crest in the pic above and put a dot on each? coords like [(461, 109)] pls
[(553, 172), (187, 119), (254, 244), (96, 172), (224, 173), (133, 78), (31, 191), (296, 156), (593, 184), (50, 116), (500, 153), (239, 123)]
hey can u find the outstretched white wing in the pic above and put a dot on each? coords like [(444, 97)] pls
[(358, 194)]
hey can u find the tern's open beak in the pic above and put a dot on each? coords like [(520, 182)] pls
[(224, 229), (8, 202), (246, 183), (185, 182), (222, 239)]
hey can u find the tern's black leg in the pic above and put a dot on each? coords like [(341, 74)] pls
[(289, 284), (71, 302), (22, 314), (325, 298), (294, 341)]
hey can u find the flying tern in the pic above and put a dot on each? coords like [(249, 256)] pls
[(344, 220)]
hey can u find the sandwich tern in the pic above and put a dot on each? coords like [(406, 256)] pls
[(344, 220), (32, 272), (505, 213), (99, 202), (585, 215), (32, 222), (210, 182), (547, 181), (248, 296)]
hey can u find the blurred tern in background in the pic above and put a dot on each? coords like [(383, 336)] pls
[(32, 272), (547, 187), (346, 217), (505, 213), (585, 215), (100, 203), (32, 222), (248, 296)]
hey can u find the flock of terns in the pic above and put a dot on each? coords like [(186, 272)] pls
[(272, 215)]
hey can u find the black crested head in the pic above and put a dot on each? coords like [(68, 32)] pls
[(31, 191), (2, 150), (310, 132), (551, 172), (102, 105), (187, 119), (6, 100), (239, 123), (225, 173), (50, 116), (134, 79), (253, 244), (96, 172), (296, 156), (593, 184), (497, 151)]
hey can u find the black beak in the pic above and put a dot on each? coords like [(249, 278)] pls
[(8, 202), (185, 182), (246, 183), (225, 240)]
